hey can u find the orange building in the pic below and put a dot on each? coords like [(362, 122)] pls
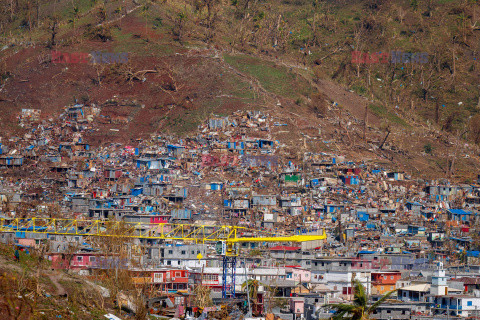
[(384, 281), (165, 280)]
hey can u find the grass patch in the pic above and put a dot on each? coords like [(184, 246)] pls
[(241, 89), (359, 89), (125, 42), (383, 113), (184, 125), (273, 78)]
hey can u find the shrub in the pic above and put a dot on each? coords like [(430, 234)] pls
[(428, 148)]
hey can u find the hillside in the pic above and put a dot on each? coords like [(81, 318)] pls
[(188, 60), (30, 289)]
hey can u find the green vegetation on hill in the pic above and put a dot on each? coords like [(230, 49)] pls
[(272, 77), (312, 34)]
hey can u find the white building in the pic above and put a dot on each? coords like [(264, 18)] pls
[(456, 305), (445, 302), (341, 281)]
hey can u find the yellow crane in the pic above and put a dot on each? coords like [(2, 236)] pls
[(226, 236), (165, 231)]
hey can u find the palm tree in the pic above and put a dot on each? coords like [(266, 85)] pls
[(253, 285), (359, 310), (252, 292)]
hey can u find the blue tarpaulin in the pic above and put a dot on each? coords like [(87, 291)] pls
[(371, 226), (459, 212), (475, 254), (363, 216)]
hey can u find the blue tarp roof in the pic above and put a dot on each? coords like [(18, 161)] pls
[(25, 229), (414, 203), (21, 245), (459, 211), (460, 239), (475, 254)]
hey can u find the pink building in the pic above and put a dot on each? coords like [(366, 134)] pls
[(159, 219), (297, 306), (27, 242), (297, 274), (73, 261)]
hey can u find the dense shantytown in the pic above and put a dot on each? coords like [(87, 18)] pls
[(227, 221)]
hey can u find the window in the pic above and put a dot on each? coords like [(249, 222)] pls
[(183, 252), (169, 263), (158, 277), (170, 251), (92, 259), (178, 274), (382, 288), (391, 277), (79, 258), (469, 303), (193, 251), (210, 277), (179, 300)]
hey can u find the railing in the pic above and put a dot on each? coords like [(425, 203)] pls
[(450, 307)]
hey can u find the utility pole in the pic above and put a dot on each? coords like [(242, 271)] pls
[(248, 291)]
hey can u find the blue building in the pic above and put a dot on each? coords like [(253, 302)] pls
[(459, 215)]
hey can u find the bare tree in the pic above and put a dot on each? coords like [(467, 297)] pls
[(53, 29), (474, 128)]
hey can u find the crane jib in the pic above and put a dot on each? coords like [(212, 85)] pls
[(166, 231)]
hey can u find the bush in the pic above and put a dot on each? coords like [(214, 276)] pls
[(102, 33), (428, 148)]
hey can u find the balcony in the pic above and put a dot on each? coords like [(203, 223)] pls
[(141, 280), (177, 280)]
